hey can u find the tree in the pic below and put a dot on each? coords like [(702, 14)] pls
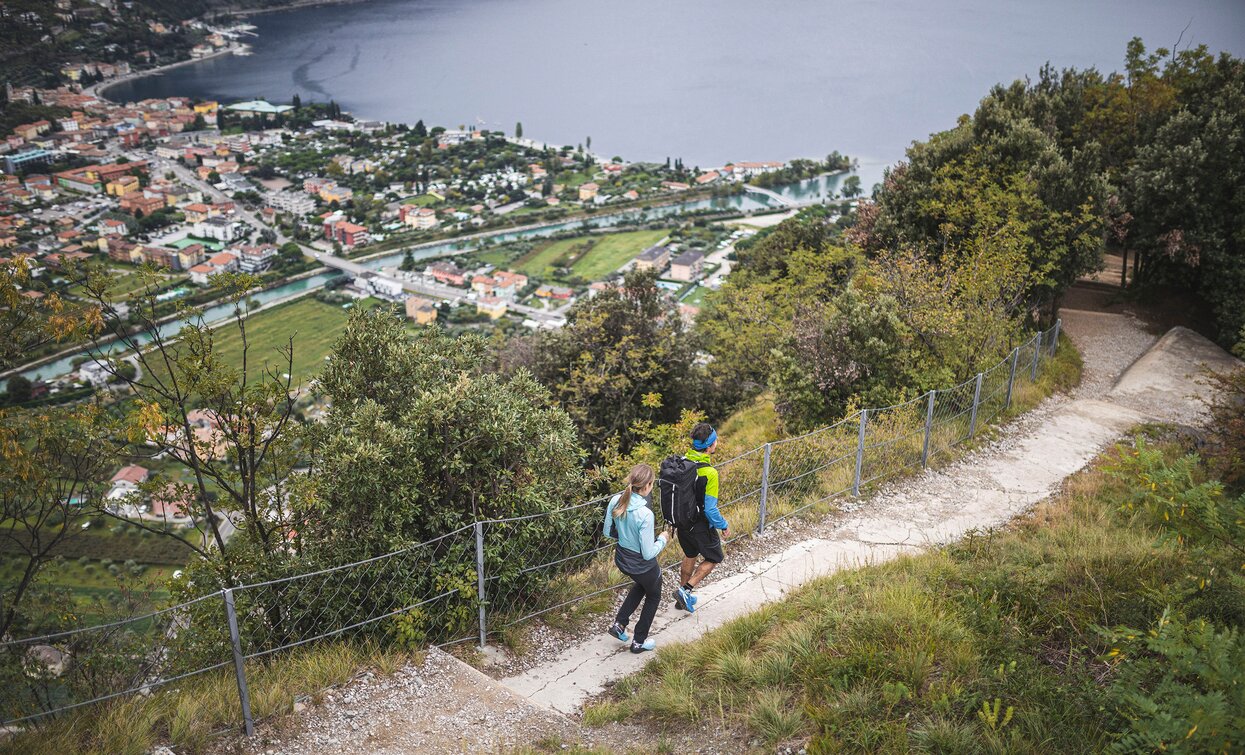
[(419, 440), (518, 130), (420, 130), (297, 102), (19, 389), (54, 465), (851, 186), (623, 356), (408, 262), (230, 424)]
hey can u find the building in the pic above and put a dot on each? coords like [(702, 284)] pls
[(122, 186), (588, 192), (218, 229), (256, 259), (111, 227), (686, 267), (421, 310), (554, 292), (751, 169), (654, 258), (291, 202), (502, 284), (346, 233), (491, 306), (22, 160), (127, 479), (447, 273), (136, 204), (422, 218), (258, 108)]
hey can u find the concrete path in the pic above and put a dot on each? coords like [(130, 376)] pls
[(984, 489)]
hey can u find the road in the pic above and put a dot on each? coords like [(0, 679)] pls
[(188, 177), (435, 290)]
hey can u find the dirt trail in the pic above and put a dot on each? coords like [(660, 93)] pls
[(1130, 376)]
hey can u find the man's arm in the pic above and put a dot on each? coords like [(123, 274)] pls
[(716, 520)]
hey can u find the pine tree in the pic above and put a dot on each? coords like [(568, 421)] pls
[(518, 130)]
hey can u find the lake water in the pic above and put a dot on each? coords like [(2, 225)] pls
[(710, 81)]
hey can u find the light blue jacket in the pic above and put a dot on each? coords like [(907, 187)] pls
[(635, 529)]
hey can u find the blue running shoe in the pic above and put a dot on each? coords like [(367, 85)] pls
[(637, 647), (617, 631), (685, 600)]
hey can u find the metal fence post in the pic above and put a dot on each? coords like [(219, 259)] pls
[(972, 423), (1037, 352), (480, 578), (239, 668), (1054, 339), (929, 426), (764, 490), (860, 451), (1011, 376)]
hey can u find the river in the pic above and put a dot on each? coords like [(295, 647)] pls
[(803, 191), (710, 81)]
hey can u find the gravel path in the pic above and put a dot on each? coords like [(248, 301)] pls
[(444, 706), (1024, 464)]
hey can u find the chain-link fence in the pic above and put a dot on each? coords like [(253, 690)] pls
[(486, 577)]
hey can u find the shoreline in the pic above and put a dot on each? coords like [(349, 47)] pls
[(292, 5), (101, 89)]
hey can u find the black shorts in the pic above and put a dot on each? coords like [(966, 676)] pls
[(701, 540)]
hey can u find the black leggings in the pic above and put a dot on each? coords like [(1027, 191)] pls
[(647, 587)]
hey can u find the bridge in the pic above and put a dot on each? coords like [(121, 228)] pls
[(430, 288), (780, 199)]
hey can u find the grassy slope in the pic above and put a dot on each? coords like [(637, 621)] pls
[(903, 656)]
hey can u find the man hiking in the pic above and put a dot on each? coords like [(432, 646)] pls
[(700, 538)]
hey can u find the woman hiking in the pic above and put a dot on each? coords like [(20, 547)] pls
[(628, 518)]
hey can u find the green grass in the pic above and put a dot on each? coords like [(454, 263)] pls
[(595, 256), (91, 584), (696, 297), (423, 200), (125, 281), (929, 653), (313, 325)]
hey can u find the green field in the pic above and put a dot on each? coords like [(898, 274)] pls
[(596, 256), (313, 324)]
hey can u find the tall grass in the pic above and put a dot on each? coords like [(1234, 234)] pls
[(985, 646), (187, 716)]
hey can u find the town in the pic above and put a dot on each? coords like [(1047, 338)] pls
[(193, 189)]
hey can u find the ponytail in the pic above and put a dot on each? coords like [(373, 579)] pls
[(624, 500), (640, 476)]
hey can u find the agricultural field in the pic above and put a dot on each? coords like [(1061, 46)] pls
[(590, 257)]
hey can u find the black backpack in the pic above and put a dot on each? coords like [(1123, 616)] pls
[(681, 501)]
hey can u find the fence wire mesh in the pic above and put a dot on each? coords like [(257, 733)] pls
[(63, 671), (486, 577), (424, 594)]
